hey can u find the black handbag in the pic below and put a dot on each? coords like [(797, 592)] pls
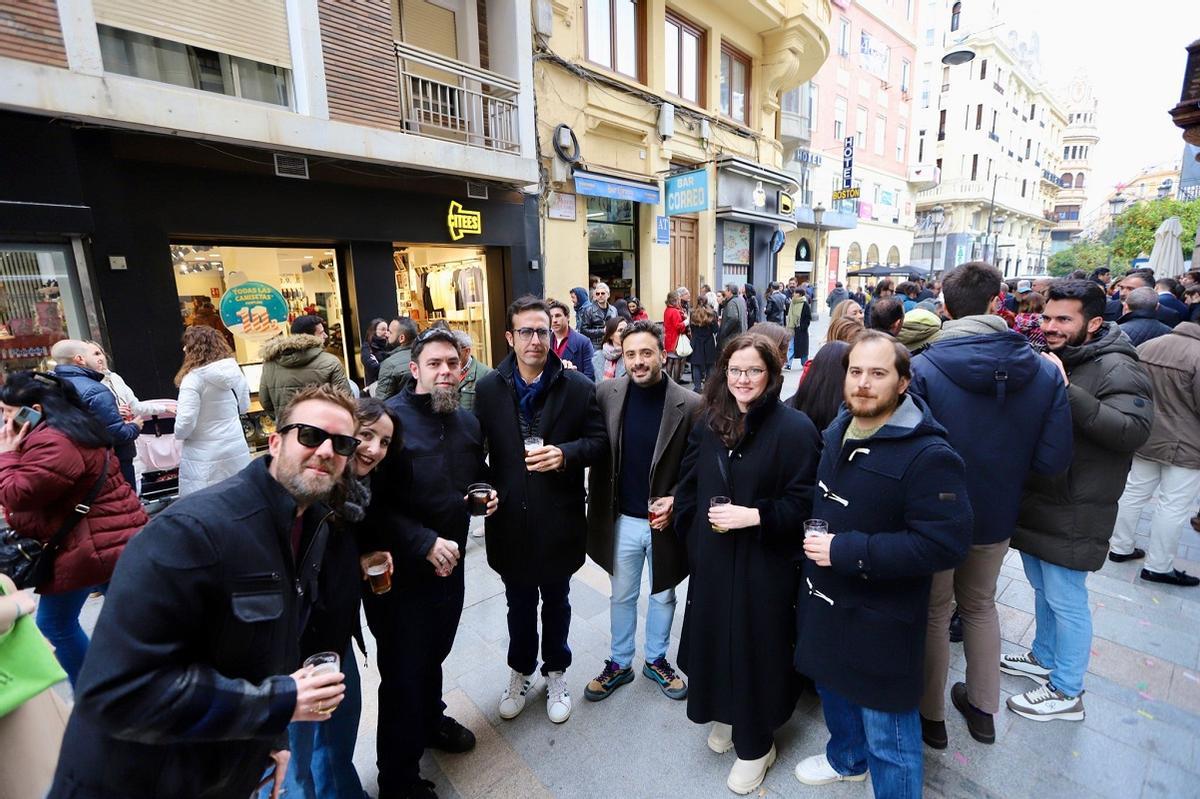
[(28, 561)]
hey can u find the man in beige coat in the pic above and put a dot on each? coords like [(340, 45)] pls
[(1169, 461), (630, 503)]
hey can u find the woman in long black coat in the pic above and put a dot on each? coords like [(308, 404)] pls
[(739, 624)]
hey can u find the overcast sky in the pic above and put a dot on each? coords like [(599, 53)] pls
[(1134, 56)]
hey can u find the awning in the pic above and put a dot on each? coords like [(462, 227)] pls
[(594, 184)]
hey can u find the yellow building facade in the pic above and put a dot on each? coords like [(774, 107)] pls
[(632, 92)]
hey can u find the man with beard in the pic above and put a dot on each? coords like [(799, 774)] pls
[(1066, 521), (423, 521), (194, 668), (623, 529), (893, 495), (542, 428)]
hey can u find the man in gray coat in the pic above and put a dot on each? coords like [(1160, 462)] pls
[(629, 512), (733, 316), (1065, 521)]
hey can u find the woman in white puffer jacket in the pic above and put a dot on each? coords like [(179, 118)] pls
[(212, 396)]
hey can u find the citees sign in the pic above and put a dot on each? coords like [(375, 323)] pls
[(461, 221), (848, 162), (687, 192)]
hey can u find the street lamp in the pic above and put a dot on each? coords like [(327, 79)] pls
[(997, 227), (1045, 236), (937, 215), (818, 215)]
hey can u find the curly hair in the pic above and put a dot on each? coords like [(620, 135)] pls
[(201, 346)]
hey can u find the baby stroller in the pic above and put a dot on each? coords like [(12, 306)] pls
[(158, 451)]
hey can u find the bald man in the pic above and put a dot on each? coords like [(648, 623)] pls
[(79, 363)]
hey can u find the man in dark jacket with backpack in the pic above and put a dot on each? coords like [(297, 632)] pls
[(893, 495), (543, 428), (1005, 411)]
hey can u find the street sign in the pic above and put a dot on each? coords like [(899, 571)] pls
[(847, 194), (848, 162), (687, 192), (662, 229)]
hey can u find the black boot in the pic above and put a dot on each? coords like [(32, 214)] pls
[(956, 628), (979, 724), (933, 733), (450, 736)]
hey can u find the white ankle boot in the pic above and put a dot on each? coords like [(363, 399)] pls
[(720, 737), (746, 775)]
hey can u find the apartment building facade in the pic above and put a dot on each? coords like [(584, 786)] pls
[(659, 135), (1079, 143), (241, 162), (991, 130)]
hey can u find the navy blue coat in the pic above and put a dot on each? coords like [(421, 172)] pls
[(1172, 303), (579, 351), (1141, 326), (897, 505), (1006, 413), (103, 404)]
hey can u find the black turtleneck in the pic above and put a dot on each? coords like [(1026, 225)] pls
[(639, 433)]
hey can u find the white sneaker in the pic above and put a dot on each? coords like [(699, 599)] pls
[(558, 699), (816, 770), (512, 702), (720, 737), (746, 775), (1047, 704), (1025, 665)]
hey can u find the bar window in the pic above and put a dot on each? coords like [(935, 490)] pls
[(735, 84), (614, 34), (683, 58)]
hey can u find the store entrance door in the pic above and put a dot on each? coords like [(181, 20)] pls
[(685, 253)]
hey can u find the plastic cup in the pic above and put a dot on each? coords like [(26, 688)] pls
[(531, 444), (716, 502), (379, 574), (652, 509), (478, 495), (815, 527), (324, 663)]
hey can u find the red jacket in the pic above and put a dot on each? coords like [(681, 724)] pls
[(43, 480), (672, 326)]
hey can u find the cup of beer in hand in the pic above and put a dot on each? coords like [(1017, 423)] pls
[(716, 502), (379, 573)]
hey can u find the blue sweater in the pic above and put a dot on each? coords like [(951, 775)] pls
[(1006, 413), (897, 505), (579, 351)]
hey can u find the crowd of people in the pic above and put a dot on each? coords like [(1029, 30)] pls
[(833, 541)]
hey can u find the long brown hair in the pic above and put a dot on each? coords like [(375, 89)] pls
[(844, 329), (702, 316), (202, 345), (719, 409)]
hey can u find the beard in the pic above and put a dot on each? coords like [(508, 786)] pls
[(444, 400), (1076, 340), (867, 408), (306, 487)]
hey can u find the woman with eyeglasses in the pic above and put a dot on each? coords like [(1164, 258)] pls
[(53, 455), (745, 490), (322, 761), (212, 397)]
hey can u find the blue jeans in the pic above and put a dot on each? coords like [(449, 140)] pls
[(522, 625), (633, 547), (886, 744), (58, 619), (322, 763), (1063, 640)]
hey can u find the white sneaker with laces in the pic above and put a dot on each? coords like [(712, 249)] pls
[(1025, 665), (512, 702), (816, 770), (558, 698), (1047, 704)]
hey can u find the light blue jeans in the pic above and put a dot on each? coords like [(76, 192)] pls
[(886, 744), (58, 619), (633, 547), (1063, 642)]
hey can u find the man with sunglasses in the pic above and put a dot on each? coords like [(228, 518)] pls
[(542, 427), (194, 671), (423, 521)]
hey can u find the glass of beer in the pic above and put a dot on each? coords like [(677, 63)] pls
[(654, 509), (716, 502), (379, 573), (478, 495), (815, 527), (532, 443), (324, 663)]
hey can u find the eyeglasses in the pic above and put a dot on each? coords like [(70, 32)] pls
[(754, 372), (313, 437), (527, 333)]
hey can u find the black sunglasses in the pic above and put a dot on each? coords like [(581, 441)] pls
[(313, 437)]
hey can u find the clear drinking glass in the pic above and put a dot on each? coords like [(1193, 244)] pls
[(379, 573), (815, 527), (324, 663), (478, 495), (714, 502)]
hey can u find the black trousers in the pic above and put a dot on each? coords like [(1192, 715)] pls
[(414, 630)]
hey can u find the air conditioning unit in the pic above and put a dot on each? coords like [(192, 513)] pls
[(291, 166), (477, 191), (925, 176)]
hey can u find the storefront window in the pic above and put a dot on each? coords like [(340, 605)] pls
[(612, 244), (39, 304), (447, 284), (253, 294), (735, 252)]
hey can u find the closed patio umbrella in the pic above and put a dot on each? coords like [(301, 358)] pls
[(1166, 259)]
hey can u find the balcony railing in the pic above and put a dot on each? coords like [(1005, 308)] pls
[(1189, 191), (447, 99), (998, 87)]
